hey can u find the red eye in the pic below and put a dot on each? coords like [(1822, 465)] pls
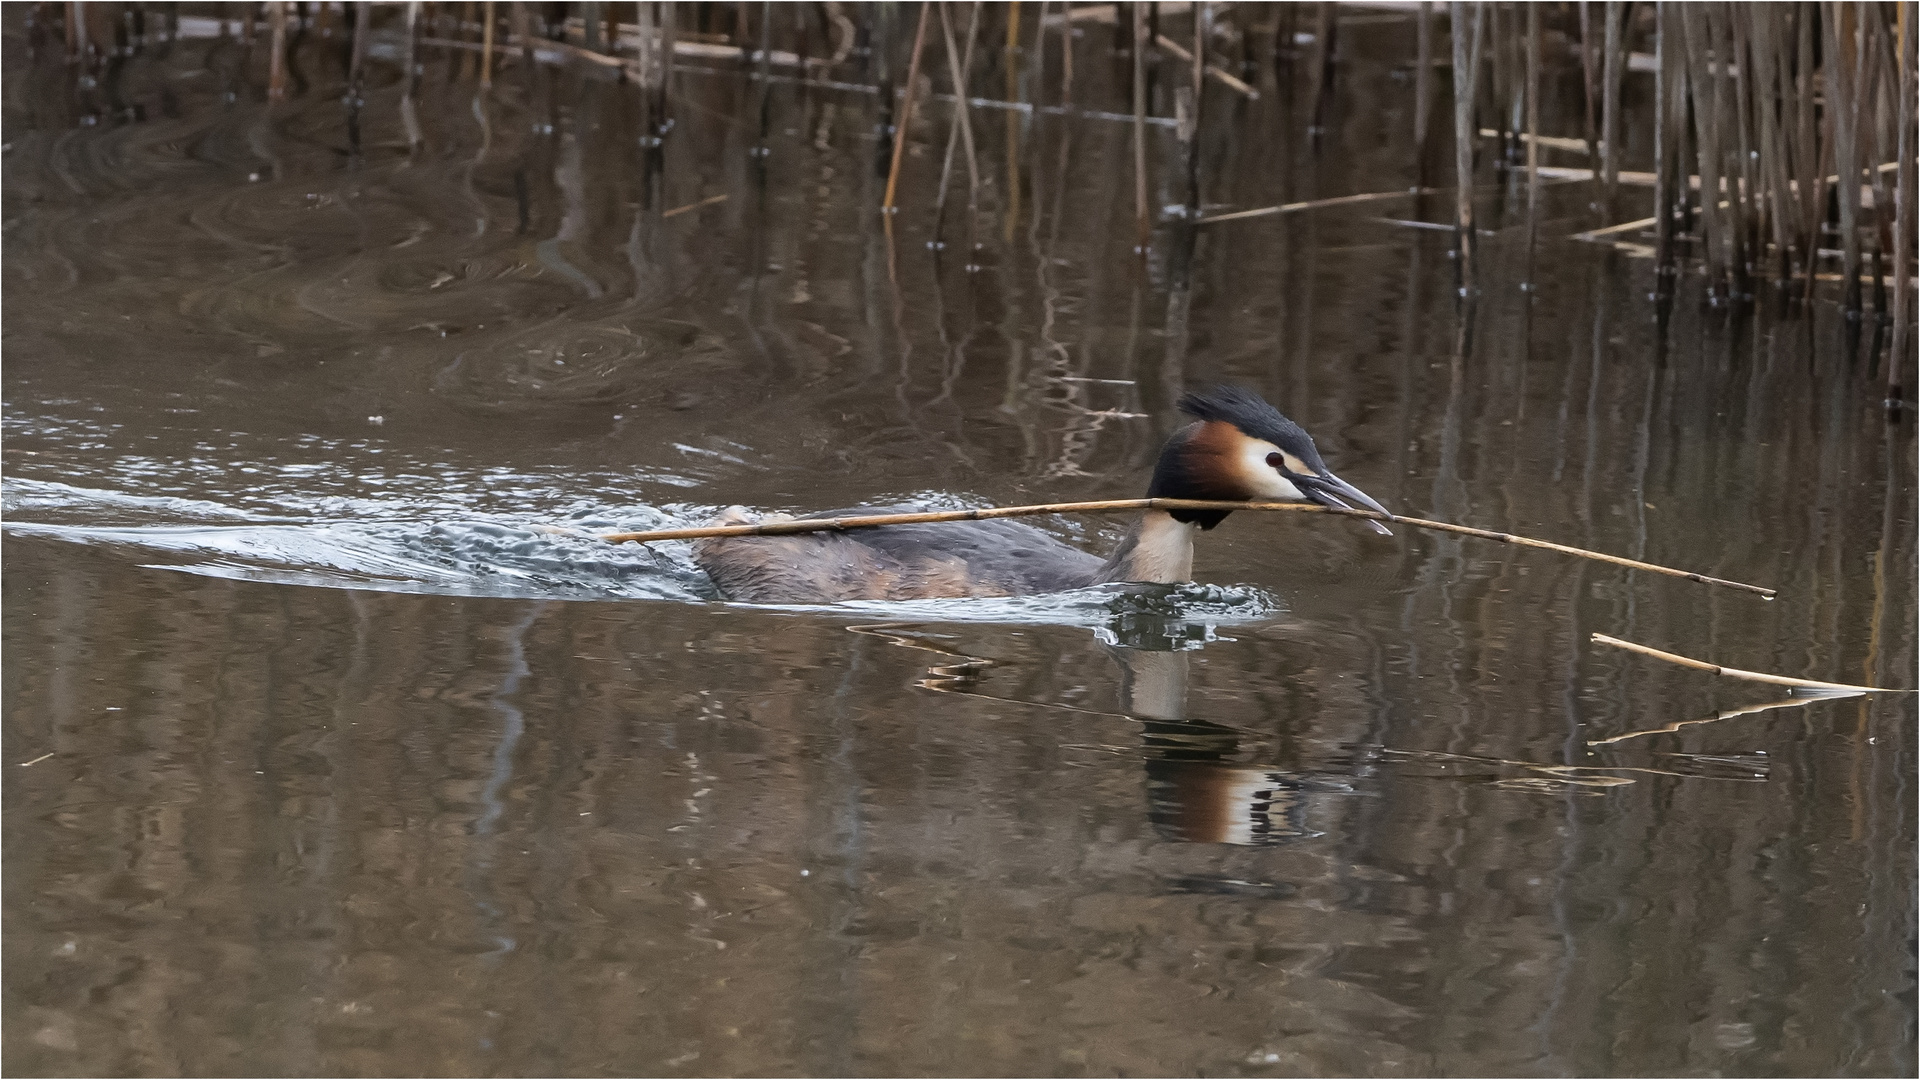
[(1274, 460)]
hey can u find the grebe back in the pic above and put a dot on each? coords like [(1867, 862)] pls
[(1238, 448)]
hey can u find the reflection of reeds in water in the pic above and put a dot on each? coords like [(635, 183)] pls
[(1782, 134)]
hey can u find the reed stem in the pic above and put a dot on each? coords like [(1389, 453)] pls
[(1738, 673), (1842, 64), (486, 43), (1422, 91), (1533, 136), (1610, 103), (1663, 153), (1590, 117), (1143, 225), (1197, 86), (277, 51), (1901, 363), (1465, 32), (1110, 506), (906, 111)]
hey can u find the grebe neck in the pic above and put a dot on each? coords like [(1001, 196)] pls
[(1157, 549)]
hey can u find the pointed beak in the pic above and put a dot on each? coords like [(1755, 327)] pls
[(1329, 490)]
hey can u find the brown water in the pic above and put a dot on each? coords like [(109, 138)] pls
[(318, 760)]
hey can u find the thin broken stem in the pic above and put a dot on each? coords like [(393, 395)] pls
[(1184, 55), (1313, 204), (1738, 673), (1728, 714)]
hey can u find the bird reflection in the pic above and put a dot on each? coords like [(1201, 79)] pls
[(1196, 791)]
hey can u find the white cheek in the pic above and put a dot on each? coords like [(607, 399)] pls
[(1264, 479)]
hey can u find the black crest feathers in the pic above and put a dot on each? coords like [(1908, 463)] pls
[(1250, 413)]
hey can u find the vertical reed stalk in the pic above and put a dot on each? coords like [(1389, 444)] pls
[(460, 24), (486, 45), (1610, 103), (521, 22), (1726, 139), (1465, 32), (906, 111), (1423, 93), (645, 55), (410, 79), (1875, 143), (1516, 97), (1590, 119), (1768, 97), (277, 60), (356, 74), (1202, 21), (1901, 364), (1663, 154), (1807, 140), (663, 78), (1066, 63), (1748, 205), (765, 73), (1496, 34), (1707, 137), (1143, 225), (1013, 119), (880, 70), (1686, 197), (1533, 135), (1843, 105), (1322, 67)]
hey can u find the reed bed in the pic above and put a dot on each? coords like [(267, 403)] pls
[(1766, 149)]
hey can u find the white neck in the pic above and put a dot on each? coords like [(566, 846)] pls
[(1157, 549)]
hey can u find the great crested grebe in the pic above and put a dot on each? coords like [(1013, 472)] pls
[(1239, 448)]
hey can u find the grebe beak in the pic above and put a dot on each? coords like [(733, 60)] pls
[(1329, 490)]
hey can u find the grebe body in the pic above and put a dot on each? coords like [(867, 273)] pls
[(1238, 448)]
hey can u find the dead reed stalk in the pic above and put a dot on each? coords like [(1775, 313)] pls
[(792, 526), (1533, 137), (1465, 33), (1196, 94), (277, 47), (906, 111), (1902, 360), (1143, 226), (1422, 88), (1615, 65), (1738, 673)]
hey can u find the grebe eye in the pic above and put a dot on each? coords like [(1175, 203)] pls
[(1274, 460)]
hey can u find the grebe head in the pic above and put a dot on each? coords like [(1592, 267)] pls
[(1239, 448)]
